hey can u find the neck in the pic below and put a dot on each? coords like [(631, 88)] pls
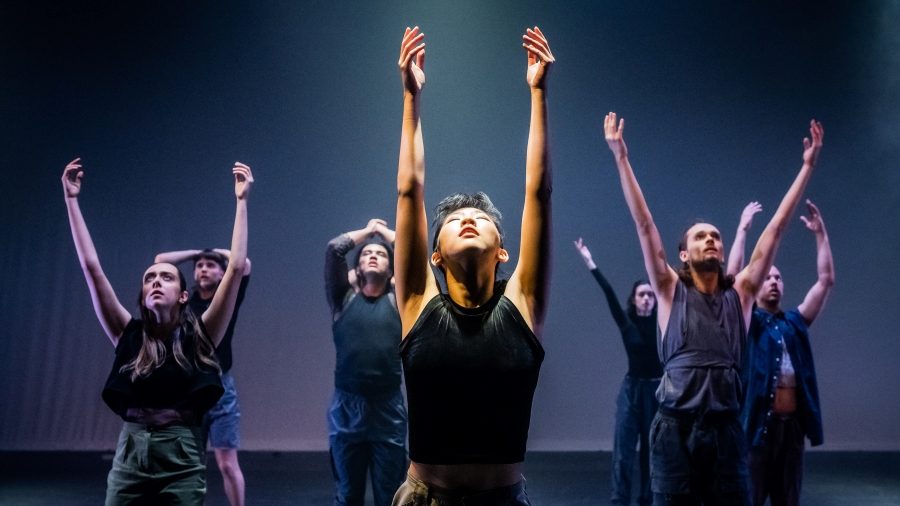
[(374, 288), (206, 294), (163, 322), (771, 307), (705, 282), (470, 287)]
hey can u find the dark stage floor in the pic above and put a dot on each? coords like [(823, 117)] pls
[(79, 478)]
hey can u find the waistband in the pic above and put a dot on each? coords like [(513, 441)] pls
[(167, 431), (691, 416), (155, 419), (488, 497)]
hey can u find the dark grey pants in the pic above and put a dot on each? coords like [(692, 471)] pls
[(776, 468), (158, 466), (698, 460)]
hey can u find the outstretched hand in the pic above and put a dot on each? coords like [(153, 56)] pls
[(412, 60), (747, 215), (814, 221), (613, 133), (71, 178), (585, 253), (540, 58), (243, 180), (812, 145)]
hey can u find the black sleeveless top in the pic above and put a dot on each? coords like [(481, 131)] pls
[(470, 379), (168, 387), (366, 337), (702, 351)]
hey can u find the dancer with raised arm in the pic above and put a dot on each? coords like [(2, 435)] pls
[(698, 451), (636, 404), (781, 406), (471, 356), (366, 419), (165, 375)]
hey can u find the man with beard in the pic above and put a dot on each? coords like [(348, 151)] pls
[(698, 449), (367, 418), (781, 405), (222, 422)]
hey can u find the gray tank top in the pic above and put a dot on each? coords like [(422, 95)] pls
[(701, 352)]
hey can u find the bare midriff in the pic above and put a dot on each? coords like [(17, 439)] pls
[(472, 477), (785, 401)]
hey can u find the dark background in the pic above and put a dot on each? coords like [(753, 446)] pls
[(160, 98)]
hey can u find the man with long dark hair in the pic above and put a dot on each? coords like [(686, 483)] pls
[(698, 453)]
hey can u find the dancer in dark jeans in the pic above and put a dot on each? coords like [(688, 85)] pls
[(366, 418), (636, 404)]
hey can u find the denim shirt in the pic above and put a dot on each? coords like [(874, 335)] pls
[(763, 368)]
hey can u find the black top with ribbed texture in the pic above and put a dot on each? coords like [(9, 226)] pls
[(470, 379)]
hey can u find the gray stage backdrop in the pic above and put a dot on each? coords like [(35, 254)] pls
[(160, 98)]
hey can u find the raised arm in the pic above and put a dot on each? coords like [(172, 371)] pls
[(227, 254), (177, 257), (529, 284), (112, 315), (415, 283), (189, 255), (815, 299), (218, 315), (662, 277), (615, 308), (749, 280), (736, 255)]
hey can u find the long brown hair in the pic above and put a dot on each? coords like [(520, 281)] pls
[(153, 350)]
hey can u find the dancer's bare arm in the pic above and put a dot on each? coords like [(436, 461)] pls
[(218, 315), (749, 280), (112, 315), (736, 255), (528, 286), (663, 278), (415, 283), (815, 299)]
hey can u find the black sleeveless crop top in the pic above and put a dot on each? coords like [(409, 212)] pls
[(470, 379)]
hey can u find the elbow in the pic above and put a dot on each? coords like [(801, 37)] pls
[(645, 225), (827, 280), (539, 188), (408, 189), (237, 266)]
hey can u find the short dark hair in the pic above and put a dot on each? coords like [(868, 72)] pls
[(378, 241), (209, 254), (458, 201)]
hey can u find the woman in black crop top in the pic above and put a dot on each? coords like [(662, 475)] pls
[(451, 339), (165, 375)]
